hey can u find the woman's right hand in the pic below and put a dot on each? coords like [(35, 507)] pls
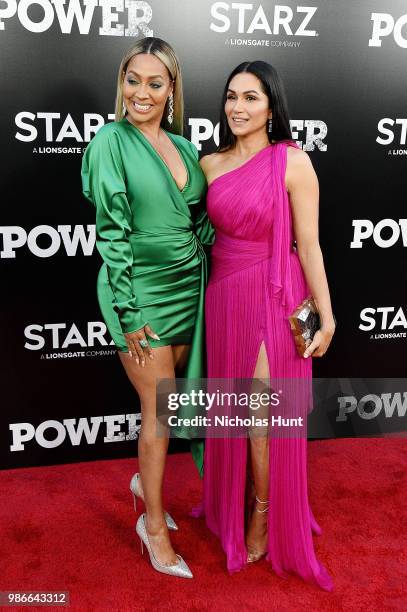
[(136, 350)]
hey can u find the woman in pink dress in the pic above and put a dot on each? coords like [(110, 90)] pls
[(263, 193)]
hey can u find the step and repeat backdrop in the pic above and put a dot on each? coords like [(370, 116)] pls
[(64, 394)]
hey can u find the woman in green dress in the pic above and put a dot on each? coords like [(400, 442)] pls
[(149, 191)]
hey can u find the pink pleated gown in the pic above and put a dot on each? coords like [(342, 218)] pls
[(256, 280)]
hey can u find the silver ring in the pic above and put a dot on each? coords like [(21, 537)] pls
[(143, 343)]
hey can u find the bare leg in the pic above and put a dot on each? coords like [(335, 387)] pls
[(180, 354), (168, 362), (152, 449), (259, 445)]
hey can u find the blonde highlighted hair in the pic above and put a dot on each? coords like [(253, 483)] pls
[(164, 52)]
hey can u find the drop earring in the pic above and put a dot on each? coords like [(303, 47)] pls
[(124, 110), (270, 125), (170, 108)]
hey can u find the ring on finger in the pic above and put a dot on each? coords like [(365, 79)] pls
[(143, 343)]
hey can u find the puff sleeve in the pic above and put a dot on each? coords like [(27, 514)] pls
[(202, 226), (103, 183)]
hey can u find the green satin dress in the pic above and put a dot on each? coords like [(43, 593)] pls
[(153, 239)]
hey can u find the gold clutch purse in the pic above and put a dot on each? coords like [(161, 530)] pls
[(304, 322)]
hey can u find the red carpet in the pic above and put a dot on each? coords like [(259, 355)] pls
[(71, 527)]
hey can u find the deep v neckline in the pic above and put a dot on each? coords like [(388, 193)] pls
[(162, 159)]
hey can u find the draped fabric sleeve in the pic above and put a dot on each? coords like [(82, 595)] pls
[(103, 183), (282, 251), (203, 228)]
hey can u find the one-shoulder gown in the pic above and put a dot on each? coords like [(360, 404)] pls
[(256, 280)]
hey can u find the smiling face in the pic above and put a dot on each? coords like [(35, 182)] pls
[(146, 87), (246, 106)]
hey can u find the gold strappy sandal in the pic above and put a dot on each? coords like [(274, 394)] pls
[(253, 554)]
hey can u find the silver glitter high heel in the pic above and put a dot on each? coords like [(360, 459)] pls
[(255, 555), (136, 491), (180, 569)]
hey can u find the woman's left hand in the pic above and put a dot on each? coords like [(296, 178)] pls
[(320, 343)]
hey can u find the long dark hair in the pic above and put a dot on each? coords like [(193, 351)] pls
[(273, 87)]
